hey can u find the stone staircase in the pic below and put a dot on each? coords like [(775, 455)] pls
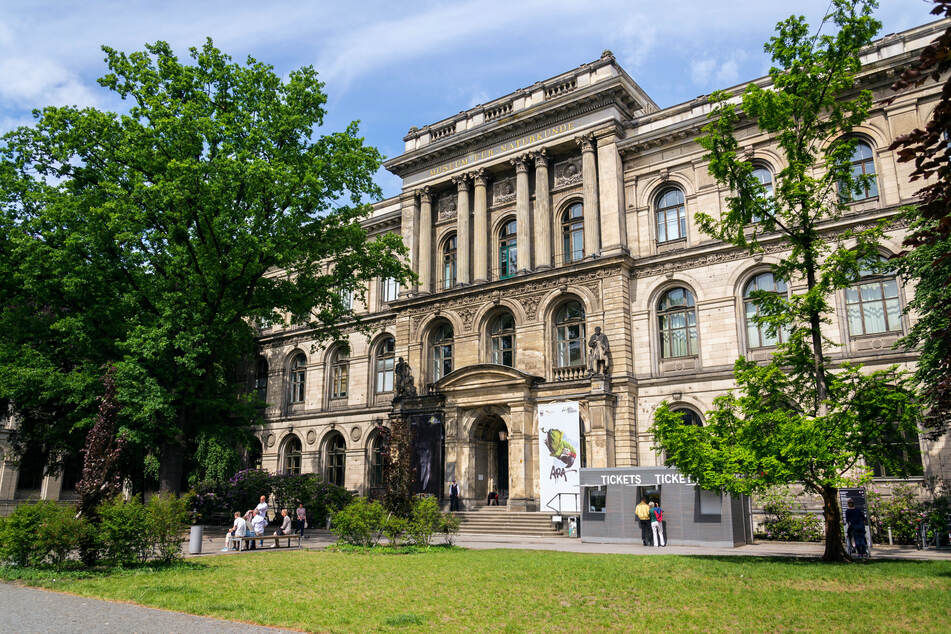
[(498, 520)]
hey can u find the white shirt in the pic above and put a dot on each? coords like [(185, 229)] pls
[(258, 523), (261, 509), (240, 527)]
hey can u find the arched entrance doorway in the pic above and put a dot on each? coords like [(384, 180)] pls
[(490, 440)]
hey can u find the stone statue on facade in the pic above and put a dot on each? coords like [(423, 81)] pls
[(404, 386), (599, 353)]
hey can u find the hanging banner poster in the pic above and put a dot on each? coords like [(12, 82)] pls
[(559, 458)]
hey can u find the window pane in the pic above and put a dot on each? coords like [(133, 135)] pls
[(893, 309), (661, 228), (871, 292), (891, 288), (855, 320), (874, 315)]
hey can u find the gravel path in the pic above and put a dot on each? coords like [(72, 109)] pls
[(32, 610)]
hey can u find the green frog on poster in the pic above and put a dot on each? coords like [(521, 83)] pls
[(560, 448)]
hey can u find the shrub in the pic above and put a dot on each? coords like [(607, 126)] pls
[(124, 530), (425, 519), (245, 489), (394, 528), (783, 523), (899, 511), (40, 532), (449, 526), (360, 523), (329, 498), (167, 519)]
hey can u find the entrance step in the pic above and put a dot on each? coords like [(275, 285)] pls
[(499, 521)]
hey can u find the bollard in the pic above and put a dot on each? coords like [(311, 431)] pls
[(194, 540), (891, 542)]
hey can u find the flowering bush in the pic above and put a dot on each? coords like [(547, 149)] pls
[(786, 520), (899, 511)]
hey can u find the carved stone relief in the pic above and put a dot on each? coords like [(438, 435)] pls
[(503, 191), (355, 433), (311, 437), (446, 206), (568, 172)]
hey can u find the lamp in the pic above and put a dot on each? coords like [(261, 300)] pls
[(677, 395), (503, 436)]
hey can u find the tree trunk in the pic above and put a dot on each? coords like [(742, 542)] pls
[(171, 465), (835, 550), (815, 325)]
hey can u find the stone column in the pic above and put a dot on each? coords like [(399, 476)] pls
[(463, 244), (425, 240), (522, 203), (589, 174), (543, 221), (409, 223), (611, 192), (480, 232)]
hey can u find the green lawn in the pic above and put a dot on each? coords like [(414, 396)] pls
[(512, 590)]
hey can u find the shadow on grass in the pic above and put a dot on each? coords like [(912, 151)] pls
[(38, 575)]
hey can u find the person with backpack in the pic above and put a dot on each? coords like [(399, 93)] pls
[(657, 524)]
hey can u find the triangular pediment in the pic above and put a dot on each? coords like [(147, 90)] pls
[(486, 375)]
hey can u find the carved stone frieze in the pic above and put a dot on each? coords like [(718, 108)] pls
[(568, 172), (530, 304), (446, 206), (503, 191)]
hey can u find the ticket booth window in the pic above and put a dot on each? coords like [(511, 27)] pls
[(651, 494), (709, 503), (597, 499)]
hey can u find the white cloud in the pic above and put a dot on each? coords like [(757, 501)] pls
[(718, 71), (38, 82)]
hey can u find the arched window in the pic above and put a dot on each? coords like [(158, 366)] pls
[(765, 178), (448, 279), (260, 379), (389, 290), (339, 373), (292, 456), (336, 460), (508, 263), (298, 377), (572, 233), (385, 360), (671, 215), (570, 335), (677, 317), (689, 416), (757, 336), (502, 340), (863, 164), (377, 461), (872, 304), (441, 351)]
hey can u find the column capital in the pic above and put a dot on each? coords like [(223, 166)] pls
[(461, 181), (479, 177), (540, 157), (425, 194), (520, 163), (586, 142), (408, 196)]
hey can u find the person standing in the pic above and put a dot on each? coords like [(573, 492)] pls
[(258, 523), (236, 531), (301, 519), (453, 496), (855, 526), (657, 524), (643, 515), (261, 508)]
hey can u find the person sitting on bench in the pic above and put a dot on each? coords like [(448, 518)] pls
[(285, 528)]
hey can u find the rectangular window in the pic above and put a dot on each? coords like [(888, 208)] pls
[(709, 502), (597, 499), (391, 289)]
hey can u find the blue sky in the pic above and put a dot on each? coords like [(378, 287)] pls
[(393, 65)]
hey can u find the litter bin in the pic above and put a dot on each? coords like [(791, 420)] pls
[(573, 527), (194, 540)]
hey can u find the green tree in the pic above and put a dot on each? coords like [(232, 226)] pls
[(797, 418), (161, 239), (929, 260)]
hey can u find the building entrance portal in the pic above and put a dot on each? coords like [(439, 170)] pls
[(491, 448)]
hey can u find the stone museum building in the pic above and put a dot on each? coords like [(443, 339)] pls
[(536, 219)]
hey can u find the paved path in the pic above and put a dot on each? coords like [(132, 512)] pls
[(316, 540), (31, 610)]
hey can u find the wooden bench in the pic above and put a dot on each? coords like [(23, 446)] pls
[(276, 539)]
